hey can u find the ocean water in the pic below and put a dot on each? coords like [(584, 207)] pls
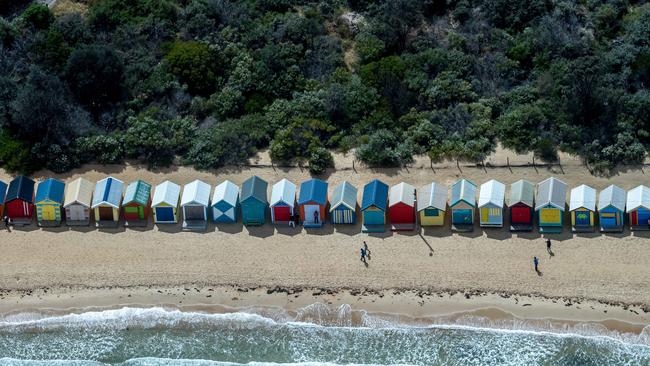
[(315, 335)]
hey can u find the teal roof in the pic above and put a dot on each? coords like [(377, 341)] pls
[(137, 192), (255, 188)]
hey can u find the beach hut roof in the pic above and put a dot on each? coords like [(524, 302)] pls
[(463, 190), (50, 189), (522, 191), (79, 191), (108, 191), (638, 197), (166, 192), (344, 194), (227, 192), (21, 187), (313, 190), (582, 196), (612, 196), (137, 192), (492, 192), (375, 194), (402, 192), (283, 191), (551, 191), (254, 187), (196, 192), (3, 191), (432, 195)]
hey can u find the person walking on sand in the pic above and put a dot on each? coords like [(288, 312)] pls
[(6, 221), (292, 221), (365, 247), (548, 246), (363, 255), (536, 263)]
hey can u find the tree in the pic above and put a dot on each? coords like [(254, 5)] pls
[(319, 160), (38, 15), (195, 65), (384, 149), (300, 139), (158, 142)]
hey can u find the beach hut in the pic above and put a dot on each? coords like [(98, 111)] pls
[(164, 203), (283, 201), (550, 203), (107, 199), (491, 201), (253, 201), (312, 203), (462, 205), (19, 200), (225, 202), (49, 202), (3, 192), (582, 208), (137, 203), (521, 205), (432, 204), (343, 204), (638, 207), (373, 207), (77, 202), (401, 207), (611, 209), (194, 203)]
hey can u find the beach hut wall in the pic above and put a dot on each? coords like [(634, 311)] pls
[(3, 193), (165, 202), (582, 207), (137, 201), (77, 201), (49, 201), (463, 202), (253, 201), (225, 202), (19, 200), (107, 199), (401, 206), (491, 202), (638, 207), (432, 204), (550, 204), (373, 206), (611, 208), (312, 202), (521, 205), (283, 201), (343, 204), (195, 202)]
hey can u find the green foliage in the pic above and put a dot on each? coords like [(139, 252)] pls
[(320, 159), (38, 15), (369, 47), (15, 155), (108, 14), (157, 142), (384, 149), (195, 65), (300, 139), (104, 149), (8, 33)]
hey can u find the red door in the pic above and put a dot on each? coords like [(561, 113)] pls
[(401, 213), (282, 213), (18, 209), (520, 215), (635, 217), (131, 213)]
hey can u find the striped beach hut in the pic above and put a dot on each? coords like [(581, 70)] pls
[(164, 203), (3, 193), (521, 205), (225, 202), (401, 207), (550, 205), (373, 207), (107, 199), (253, 201), (611, 209), (343, 204), (77, 202), (432, 204), (19, 200), (137, 203), (283, 201), (491, 201), (582, 208), (312, 202), (462, 205), (638, 207), (49, 202), (194, 203)]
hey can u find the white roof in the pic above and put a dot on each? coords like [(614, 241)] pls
[(283, 191), (492, 192), (638, 197), (166, 192), (197, 192), (612, 195), (402, 192), (582, 197), (227, 191), (551, 191), (79, 191), (432, 195)]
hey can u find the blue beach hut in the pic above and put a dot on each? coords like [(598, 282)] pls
[(343, 204), (373, 206), (312, 202), (107, 200), (462, 205), (49, 202), (225, 202), (253, 201), (611, 209), (3, 192)]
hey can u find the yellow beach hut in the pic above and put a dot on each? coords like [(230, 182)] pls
[(432, 204), (49, 202)]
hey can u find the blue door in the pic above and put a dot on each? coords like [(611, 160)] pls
[(461, 216), (583, 217), (164, 214), (643, 216), (608, 220), (373, 217)]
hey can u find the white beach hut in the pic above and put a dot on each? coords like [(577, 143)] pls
[(283, 201), (77, 202), (491, 201), (195, 202), (165, 203), (582, 207)]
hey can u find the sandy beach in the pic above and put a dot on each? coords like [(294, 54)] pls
[(592, 277)]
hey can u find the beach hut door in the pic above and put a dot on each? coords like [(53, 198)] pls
[(194, 213), (47, 213), (105, 214), (76, 213), (582, 218), (312, 214)]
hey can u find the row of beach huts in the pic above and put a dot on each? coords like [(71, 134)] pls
[(400, 207)]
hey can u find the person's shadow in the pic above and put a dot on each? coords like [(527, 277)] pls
[(550, 252), (365, 262), (539, 273)]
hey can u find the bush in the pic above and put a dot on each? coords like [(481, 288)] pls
[(384, 149), (15, 155), (319, 160), (39, 16), (195, 65), (104, 149), (157, 142)]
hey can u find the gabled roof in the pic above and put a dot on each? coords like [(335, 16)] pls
[(196, 192), (492, 192), (50, 189), (283, 191), (375, 194), (638, 197), (3, 191), (166, 192), (313, 190), (463, 190), (551, 191), (612, 196), (79, 191), (582, 196), (432, 195), (344, 194), (227, 192), (254, 187), (402, 192), (137, 192), (22, 188), (522, 191), (108, 191)]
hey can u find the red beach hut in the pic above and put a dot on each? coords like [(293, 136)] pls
[(401, 207)]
